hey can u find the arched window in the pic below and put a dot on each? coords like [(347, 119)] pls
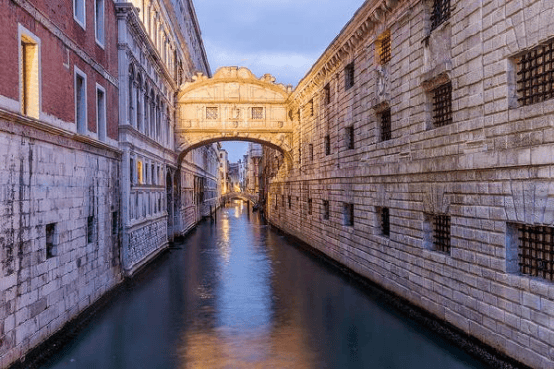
[(158, 114), (146, 110), (152, 113), (138, 99), (130, 117)]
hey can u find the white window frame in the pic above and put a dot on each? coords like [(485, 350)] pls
[(83, 22), (25, 33), (99, 24), (79, 128), (101, 131)]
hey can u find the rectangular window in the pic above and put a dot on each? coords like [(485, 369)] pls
[(327, 145), (29, 75), (99, 21), (115, 223), (311, 148), (385, 125), (531, 251), (140, 178), (257, 113), (442, 105), (283, 199), (90, 229), (441, 12), (101, 112), (311, 108), (348, 214), (211, 113), (441, 233), (310, 206), (79, 12), (290, 202), (326, 210), (349, 137), (327, 92), (276, 202), (51, 247), (132, 170), (349, 76), (382, 48), (385, 221), (80, 101), (535, 75)]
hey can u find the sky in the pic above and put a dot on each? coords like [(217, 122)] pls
[(280, 37)]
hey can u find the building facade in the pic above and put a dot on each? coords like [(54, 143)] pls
[(422, 160)]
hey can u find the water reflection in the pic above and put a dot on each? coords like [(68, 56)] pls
[(239, 295)]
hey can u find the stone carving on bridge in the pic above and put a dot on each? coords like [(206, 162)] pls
[(234, 105)]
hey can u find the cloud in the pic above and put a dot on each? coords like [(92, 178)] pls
[(287, 66)]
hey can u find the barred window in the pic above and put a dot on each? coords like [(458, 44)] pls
[(441, 12), (311, 148), (290, 202), (310, 206), (383, 48), (90, 229), (350, 137), (535, 75), (441, 233), (310, 108), (536, 251), (257, 113), (115, 223), (349, 76), (211, 112), (325, 209), (327, 145), (348, 212), (442, 105), (385, 221), (51, 248), (386, 125)]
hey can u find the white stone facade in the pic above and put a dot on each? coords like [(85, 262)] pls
[(488, 170)]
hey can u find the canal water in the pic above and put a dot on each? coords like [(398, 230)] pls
[(236, 294)]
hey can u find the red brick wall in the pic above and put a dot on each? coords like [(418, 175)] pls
[(57, 79)]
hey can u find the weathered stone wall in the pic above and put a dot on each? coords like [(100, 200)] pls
[(490, 170), (145, 239), (46, 178)]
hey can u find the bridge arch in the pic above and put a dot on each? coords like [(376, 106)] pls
[(234, 105)]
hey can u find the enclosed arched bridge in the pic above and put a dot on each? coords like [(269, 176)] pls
[(234, 105)]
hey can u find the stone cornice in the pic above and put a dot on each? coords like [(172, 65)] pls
[(24, 126), (44, 21), (367, 17)]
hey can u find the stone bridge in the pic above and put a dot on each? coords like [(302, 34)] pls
[(234, 105), (240, 195)]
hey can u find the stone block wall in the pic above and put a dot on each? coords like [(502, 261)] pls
[(489, 170), (59, 231)]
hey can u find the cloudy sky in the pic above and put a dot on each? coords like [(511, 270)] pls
[(280, 37)]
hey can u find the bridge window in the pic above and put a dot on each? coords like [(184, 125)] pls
[(326, 210), (258, 113), (211, 113)]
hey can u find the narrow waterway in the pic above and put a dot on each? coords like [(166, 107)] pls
[(234, 294)]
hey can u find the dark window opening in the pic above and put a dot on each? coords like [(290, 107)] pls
[(51, 248), (348, 214), (325, 209), (350, 137), (385, 222), (441, 12), (310, 206), (442, 105), (327, 145), (441, 233), (535, 75), (536, 251), (311, 147), (290, 201), (349, 76), (386, 131), (327, 92), (90, 229), (115, 223)]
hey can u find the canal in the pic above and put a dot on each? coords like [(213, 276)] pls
[(237, 294)]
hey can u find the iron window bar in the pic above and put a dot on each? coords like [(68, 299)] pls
[(536, 251), (441, 12), (386, 132), (441, 233), (385, 48), (442, 105), (535, 75), (385, 221)]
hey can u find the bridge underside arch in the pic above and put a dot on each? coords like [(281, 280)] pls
[(234, 105)]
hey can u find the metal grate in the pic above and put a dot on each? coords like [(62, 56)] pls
[(325, 209), (442, 105), (441, 237), (385, 221), (384, 48), (290, 201), (441, 12), (211, 113), (536, 251), (327, 145), (257, 113), (310, 206), (386, 125), (349, 76), (535, 75)]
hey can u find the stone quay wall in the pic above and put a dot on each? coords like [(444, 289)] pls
[(385, 204), (59, 244)]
